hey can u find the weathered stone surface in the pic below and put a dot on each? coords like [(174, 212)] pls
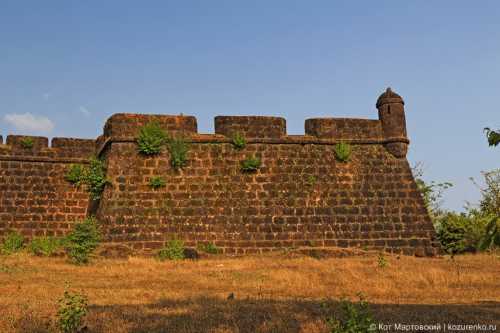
[(301, 196), (251, 126)]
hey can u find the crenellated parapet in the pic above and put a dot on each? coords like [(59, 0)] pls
[(123, 125), (36, 148), (389, 129), (301, 194)]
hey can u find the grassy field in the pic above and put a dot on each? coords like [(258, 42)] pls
[(275, 293)]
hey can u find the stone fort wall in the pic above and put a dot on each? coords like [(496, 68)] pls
[(301, 196)]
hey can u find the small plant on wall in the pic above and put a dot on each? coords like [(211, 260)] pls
[(151, 138), (311, 180), (75, 174), (93, 175), (27, 142), (343, 151), (250, 164), (95, 178), (239, 141), (178, 148), (157, 182)]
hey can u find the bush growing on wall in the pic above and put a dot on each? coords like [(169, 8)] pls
[(157, 182), (342, 151), (239, 141), (93, 176), (151, 138), (27, 142), (178, 148), (250, 164), (75, 174)]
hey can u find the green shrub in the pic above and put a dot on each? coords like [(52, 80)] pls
[(151, 138), (82, 241), (432, 192), (239, 141), (355, 318), (27, 142), (343, 151), (251, 164), (45, 246), (157, 182), (75, 174), (461, 232), (93, 176), (13, 242), (173, 251), (208, 248), (71, 312), (490, 193), (178, 148)]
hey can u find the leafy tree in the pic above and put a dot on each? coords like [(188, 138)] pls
[(490, 201), (492, 136), (461, 232), (432, 192)]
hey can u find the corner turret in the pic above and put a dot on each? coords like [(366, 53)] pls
[(391, 113)]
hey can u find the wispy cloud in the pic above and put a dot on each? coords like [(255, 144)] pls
[(46, 96), (84, 111), (29, 122)]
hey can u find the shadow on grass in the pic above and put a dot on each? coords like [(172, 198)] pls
[(263, 315)]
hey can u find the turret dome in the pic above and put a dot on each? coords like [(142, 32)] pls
[(389, 97)]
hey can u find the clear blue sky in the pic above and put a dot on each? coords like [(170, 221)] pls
[(67, 65)]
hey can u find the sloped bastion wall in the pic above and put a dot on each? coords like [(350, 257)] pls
[(301, 196)]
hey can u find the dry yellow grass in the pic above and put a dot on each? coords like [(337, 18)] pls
[(272, 293)]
